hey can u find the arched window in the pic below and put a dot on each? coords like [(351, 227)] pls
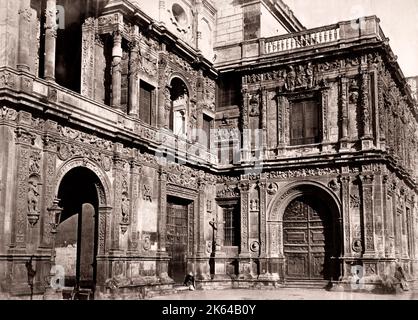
[(180, 101)]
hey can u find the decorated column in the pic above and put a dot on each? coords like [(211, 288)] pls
[(88, 58), (245, 261), (368, 213), (50, 39), (366, 136), (50, 149), (135, 178), (344, 113), (116, 70), (345, 197), (25, 15), (134, 65), (162, 262)]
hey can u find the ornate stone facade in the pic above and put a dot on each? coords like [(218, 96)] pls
[(151, 202)]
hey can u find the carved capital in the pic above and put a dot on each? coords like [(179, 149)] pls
[(24, 136), (50, 143), (366, 179), (344, 179), (244, 187)]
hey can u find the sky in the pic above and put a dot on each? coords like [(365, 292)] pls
[(398, 20)]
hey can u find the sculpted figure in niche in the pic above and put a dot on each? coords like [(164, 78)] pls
[(125, 208), (309, 75), (33, 197), (291, 79), (300, 77), (167, 105)]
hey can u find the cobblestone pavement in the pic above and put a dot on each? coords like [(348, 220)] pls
[(283, 294)]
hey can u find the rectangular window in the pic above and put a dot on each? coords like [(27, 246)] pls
[(229, 90), (304, 122), (231, 226), (206, 129), (145, 102)]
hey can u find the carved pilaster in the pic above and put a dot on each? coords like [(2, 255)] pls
[(386, 216), (49, 166), (378, 205), (134, 185), (201, 246), (162, 210), (50, 39), (325, 114), (87, 57), (116, 70), (382, 112), (263, 218), (365, 108), (134, 66), (245, 124), (264, 97), (22, 189), (345, 197), (282, 123), (244, 188), (368, 213), (344, 104), (25, 16), (118, 167)]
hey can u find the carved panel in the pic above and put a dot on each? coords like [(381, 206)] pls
[(22, 195), (87, 57)]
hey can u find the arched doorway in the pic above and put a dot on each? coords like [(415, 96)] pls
[(76, 242), (311, 236)]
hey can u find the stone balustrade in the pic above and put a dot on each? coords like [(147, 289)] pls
[(338, 35), (326, 35), (302, 40)]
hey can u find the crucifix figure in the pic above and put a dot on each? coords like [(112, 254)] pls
[(214, 225)]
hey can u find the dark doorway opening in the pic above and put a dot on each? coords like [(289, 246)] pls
[(77, 234), (177, 236)]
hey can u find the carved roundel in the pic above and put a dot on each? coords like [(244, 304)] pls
[(147, 243), (255, 246), (357, 245), (179, 14)]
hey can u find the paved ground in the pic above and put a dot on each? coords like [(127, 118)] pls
[(282, 294)]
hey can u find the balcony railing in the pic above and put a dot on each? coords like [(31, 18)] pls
[(300, 40), (336, 35)]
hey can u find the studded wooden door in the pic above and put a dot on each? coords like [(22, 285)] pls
[(307, 239), (177, 240)]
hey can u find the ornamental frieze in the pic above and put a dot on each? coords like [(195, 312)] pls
[(78, 136), (224, 179), (302, 173), (228, 191), (182, 180), (8, 114), (68, 151)]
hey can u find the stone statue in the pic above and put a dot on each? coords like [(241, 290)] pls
[(291, 79), (125, 209), (33, 197)]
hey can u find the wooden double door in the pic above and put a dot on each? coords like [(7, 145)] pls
[(177, 237), (308, 240)]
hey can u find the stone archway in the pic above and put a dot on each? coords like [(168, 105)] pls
[(306, 232), (83, 191)]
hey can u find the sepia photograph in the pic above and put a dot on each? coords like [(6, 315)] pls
[(227, 151)]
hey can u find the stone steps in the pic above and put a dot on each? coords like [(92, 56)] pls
[(313, 284)]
